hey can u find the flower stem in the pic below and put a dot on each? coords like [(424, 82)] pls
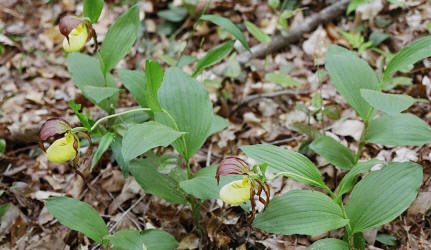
[(119, 114), (363, 135), (183, 140)]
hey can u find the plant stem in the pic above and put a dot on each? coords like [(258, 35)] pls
[(363, 135), (183, 140), (189, 172), (348, 227), (119, 114)]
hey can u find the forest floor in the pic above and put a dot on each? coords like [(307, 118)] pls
[(35, 86)]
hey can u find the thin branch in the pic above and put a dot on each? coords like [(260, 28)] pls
[(125, 213)]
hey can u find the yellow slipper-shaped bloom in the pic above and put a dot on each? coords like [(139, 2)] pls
[(77, 39), (62, 149), (236, 192)]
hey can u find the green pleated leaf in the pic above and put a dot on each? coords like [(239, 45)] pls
[(350, 74), (116, 147), (229, 26), (279, 160), (409, 55), (104, 144), (349, 179), (120, 38), (218, 124), (187, 101), (204, 186), (134, 81), (92, 9), (77, 215), (300, 212), (257, 32), (383, 195), (329, 244), (334, 152), (140, 138), (152, 239), (156, 183), (389, 103), (85, 72), (176, 14), (154, 77), (401, 129), (213, 56), (99, 94)]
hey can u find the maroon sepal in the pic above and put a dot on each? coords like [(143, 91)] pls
[(52, 127), (231, 165)]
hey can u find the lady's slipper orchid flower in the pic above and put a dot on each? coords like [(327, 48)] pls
[(240, 191), (236, 192), (63, 149), (76, 33)]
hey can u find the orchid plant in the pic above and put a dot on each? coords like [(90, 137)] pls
[(170, 102)]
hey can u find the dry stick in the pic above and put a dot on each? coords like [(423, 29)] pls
[(293, 35), (125, 213), (251, 98)]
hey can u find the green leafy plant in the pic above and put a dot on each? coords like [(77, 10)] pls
[(169, 103), (175, 111), (380, 196)]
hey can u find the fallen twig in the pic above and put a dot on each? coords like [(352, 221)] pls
[(251, 98), (293, 35)]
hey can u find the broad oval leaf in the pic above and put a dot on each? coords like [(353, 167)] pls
[(401, 129), (279, 160), (348, 180), (156, 183), (92, 9), (204, 185), (391, 104), (153, 239), (104, 144), (120, 38), (334, 152), (350, 74), (140, 138), (409, 55), (383, 195), (85, 71), (79, 216), (300, 212), (257, 32), (229, 26), (218, 124), (99, 94), (213, 56), (154, 77), (187, 101), (329, 244), (134, 81), (175, 14)]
